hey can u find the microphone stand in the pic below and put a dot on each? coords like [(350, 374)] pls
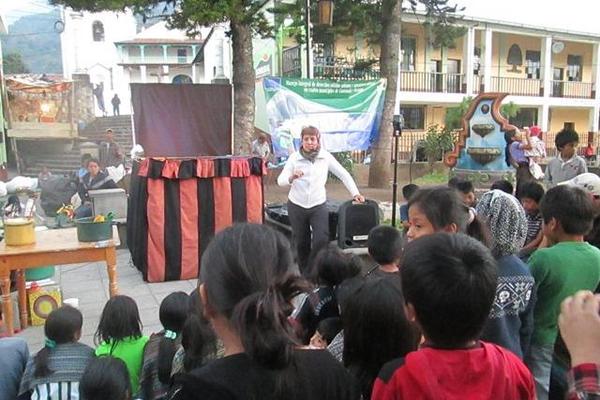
[(398, 122)]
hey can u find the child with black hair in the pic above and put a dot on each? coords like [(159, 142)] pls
[(162, 346), (326, 331), (119, 335), (503, 185), (510, 323), (467, 191), (343, 292), (452, 182), (105, 378), (449, 284), (407, 193), (247, 296), (198, 341), (385, 248), (440, 209), (531, 196), (57, 368), (331, 267), (376, 330), (569, 265), (567, 165)]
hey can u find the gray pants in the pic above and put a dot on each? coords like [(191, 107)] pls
[(303, 221), (539, 361)]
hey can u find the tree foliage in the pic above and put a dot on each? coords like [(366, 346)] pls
[(12, 63), (454, 115), (438, 140), (188, 15), (34, 38)]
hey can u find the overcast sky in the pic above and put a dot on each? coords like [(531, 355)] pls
[(575, 15)]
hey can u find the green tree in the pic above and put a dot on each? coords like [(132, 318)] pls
[(454, 115), (379, 22), (12, 63), (246, 18), (438, 140)]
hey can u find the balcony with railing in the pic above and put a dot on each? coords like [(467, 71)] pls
[(573, 89), (431, 82), (156, 60), (345, 73), (516, 86)]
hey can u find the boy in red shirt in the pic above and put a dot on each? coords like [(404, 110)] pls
[(449, 283)]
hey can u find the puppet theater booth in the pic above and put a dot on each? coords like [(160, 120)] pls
[(178, 202)]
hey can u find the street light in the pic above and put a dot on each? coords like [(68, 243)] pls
[(325, 8), (325, 17)]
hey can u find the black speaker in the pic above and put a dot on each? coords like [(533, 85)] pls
[(355, 220)]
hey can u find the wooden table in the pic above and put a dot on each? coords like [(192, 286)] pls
[(52, 247)]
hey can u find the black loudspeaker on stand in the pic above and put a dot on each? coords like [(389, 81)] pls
[(398, 123)]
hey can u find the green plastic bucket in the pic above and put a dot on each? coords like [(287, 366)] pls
[(89, 231), (37, 274)]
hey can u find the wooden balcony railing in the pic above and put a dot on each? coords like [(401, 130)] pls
[(516, 86), (572, 89), (344, 73), (431, 82)]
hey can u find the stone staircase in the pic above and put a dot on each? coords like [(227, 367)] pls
[(64, 162)]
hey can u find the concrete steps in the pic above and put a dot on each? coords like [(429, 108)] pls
[(65, 162)]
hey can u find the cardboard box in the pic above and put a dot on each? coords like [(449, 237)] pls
[(42, 301)]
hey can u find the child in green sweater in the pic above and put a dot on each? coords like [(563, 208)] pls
[(569, 265), (120, 335)]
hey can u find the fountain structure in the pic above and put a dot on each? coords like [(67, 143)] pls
[(479, 153)]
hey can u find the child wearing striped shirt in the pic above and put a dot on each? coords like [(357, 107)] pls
[(55, 371)]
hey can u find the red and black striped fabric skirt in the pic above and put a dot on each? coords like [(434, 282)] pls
[(177, 206)]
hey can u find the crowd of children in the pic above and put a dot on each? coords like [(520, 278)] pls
[(475, 298)]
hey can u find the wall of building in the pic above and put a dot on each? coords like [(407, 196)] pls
[(99, 59), (579, 116), (501, 43), (585, 50)]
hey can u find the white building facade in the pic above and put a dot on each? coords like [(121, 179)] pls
[(108, 47)]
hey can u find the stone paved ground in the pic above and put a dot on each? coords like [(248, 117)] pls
[(89, 282)]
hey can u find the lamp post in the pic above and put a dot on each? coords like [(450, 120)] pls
[(325, 8), (325, 17), (309, 71)]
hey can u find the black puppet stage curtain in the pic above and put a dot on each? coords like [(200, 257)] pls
[(182, 121), (177, 206)]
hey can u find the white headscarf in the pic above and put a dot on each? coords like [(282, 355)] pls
[(506, 220)]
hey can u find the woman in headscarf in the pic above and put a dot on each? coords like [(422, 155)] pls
[(510, 322), (306, 172)]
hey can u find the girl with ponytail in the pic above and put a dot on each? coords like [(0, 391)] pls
[(162, 346), (246, 290), (55, 371)]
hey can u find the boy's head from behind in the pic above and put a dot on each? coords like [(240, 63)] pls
[(409, 190), (385, 244), (503, 185), (449, 283), (566, 210), (566, 142), (531, 195)]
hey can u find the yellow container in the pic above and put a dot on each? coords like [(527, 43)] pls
[(19, 231)]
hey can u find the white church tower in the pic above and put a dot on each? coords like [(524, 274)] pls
[(88, 47)]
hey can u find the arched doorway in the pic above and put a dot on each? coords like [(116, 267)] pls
[(182, 79)]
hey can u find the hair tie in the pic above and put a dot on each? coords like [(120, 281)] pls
[(49, 343), (170, 334)]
